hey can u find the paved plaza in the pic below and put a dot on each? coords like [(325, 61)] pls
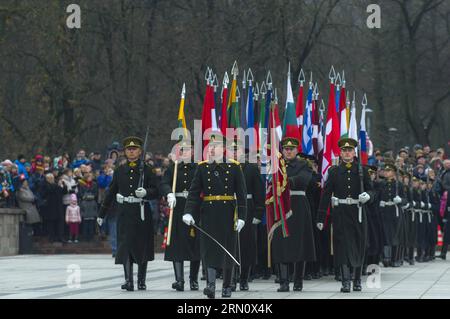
[(57, 276)]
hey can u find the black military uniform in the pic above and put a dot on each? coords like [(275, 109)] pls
[(392, 217), (135, 243), (299, 247), (255, 210), (184, 241), (424, 225), (374, 224), (218, 190), (349, 216)]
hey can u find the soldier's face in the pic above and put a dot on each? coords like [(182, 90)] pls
[(215, 151), (185, 153), (347, 154), (389, 173), (289, 153), (132, 153)]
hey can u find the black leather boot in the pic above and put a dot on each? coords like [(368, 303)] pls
[(228, 273), (420, 254), (357, 281), (128, 271), (395, 257), (387, 254), (411, 256), (284, 277), (210, 290), (178, 267), (345, 274), (299, 275), (234, 278), (443, 254), (193, 274), (142, 275), (243, 282)]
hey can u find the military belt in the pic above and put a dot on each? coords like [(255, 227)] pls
[(131, 200), (298, 193), (218, 197), (348, 201), (389, 203), (182, 194)]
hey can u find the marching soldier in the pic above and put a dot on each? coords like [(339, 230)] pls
[(184, 242), (134, 224), (223, 210), (255, 211), (410, 218), (343, 190), (374, 224), (423, 227), (297, 248), (391, 193)]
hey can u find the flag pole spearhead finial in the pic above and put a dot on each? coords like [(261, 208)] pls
[(238, 93), (364, 100), (225, 80), (332, 74), (250, 77), (338, 80), (343, 78), (183, 91), (269, 80), (243, 80), (263, 89), (316, 91), (235, 70), (301, 77), (322, 106), (256, 92)]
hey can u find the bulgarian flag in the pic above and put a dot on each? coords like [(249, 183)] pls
[(331, 148), (363, 137), (290, 126)]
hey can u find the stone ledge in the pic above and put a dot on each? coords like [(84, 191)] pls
[(12, 211)]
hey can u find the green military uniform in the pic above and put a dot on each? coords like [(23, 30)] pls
[(135, 242)]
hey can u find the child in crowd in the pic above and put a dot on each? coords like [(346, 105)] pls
[(73, 218)]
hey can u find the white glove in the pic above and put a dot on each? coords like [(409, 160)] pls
[(119, 198), (414, 203), (188, 219), (363, 198), (256, 221), (422, 204), (429, 206), (319, 226), (406, 206), (99, 221), (397, 199), (171, 200), (140, 192), (239, 225), (444, 220), (382, 204)]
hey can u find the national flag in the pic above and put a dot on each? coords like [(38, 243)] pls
[(353, 129), (290, 126), (315, 122), (208, 112), (250, 117), (224, 117), (363, 136), (233, 104), (181, 117), (331, 148), (343, 111), (299, 111), (307, 146)]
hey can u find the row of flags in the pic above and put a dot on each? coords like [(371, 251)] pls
[(256, 106)]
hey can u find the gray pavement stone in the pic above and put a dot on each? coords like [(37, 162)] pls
[(45, 277)]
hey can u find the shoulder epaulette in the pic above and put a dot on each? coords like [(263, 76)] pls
[(234, 161), (202, 162)]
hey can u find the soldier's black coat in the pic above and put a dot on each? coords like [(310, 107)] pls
[(134, 236), (349, 235), (184, 242), (218, 217), (299, 245), (255, 209)]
